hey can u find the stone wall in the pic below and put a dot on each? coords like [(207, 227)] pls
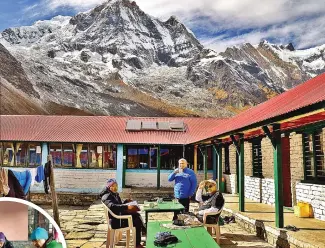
[(147, 178), (232, 159), (296, 163), (76, 180), (253, 188), (268, 193), (230, 183), (314, 194), (248, 159), (267, 158)]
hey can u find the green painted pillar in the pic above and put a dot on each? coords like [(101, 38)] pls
[(219, 162), (241, 174), (158, 168), (214, 162), (205, 163), (278, 179), (124, 165)]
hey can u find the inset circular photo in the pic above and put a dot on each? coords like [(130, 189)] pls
[(25, 225)]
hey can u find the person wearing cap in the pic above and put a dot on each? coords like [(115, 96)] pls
[(40, 239), (185, 184), (212, 202), (4, 243), (112, 200)]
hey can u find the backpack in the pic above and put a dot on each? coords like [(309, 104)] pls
[(164, 239)]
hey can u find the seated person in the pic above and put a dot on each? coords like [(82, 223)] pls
[(112, 200), (41, 239), (4, 243), (213, 202)]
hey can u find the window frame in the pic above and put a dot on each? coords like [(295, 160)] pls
[(312, 179), (259, 157)]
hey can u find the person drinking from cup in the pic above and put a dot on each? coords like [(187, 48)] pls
[(112, 200), (185, 184), (213, 202)]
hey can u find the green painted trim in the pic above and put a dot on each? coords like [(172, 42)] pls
[(214, 163), (278, 179), (241, 174), (205, 163), (294, 113), (158, 168), (314, 155), (219, 162), (124, 166), (304, 156)]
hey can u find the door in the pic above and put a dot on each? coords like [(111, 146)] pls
[(287, 197), (153, 157)]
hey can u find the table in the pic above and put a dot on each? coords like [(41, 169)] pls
[(164, 207), (197, 237)]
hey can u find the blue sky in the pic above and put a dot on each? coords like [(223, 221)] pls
[(217, 23)]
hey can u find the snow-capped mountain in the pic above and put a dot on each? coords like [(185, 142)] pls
[(117, 60)]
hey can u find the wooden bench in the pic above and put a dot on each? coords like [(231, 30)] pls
[(197, 237)]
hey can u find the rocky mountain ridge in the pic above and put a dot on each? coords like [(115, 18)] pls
[(117, 60)]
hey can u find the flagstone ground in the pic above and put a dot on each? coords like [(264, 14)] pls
[(85, 227)]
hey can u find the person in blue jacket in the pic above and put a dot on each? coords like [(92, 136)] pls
[(185, 184)]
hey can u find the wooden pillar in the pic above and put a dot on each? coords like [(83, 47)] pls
[(195, 159), (278, 179), (158, 167), (205, 162), (55, 206), (62, 155), (214, 163)]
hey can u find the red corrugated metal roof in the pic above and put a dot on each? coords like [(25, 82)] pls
[(99, 129), (108, 129), (305, 94)]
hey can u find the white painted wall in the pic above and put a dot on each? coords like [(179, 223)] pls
[(313, 194)]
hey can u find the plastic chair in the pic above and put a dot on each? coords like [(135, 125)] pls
[(216, 226), (114, 235)]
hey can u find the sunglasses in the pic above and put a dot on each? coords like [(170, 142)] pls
[(210, 186)]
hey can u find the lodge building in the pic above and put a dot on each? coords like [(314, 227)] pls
[(272, 153)]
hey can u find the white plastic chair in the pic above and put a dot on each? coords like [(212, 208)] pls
[(215, 226), (114, 235)]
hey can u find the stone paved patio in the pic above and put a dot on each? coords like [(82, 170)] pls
[(85, 227)]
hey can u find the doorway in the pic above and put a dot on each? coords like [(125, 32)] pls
[(153, 157), (287, 195)]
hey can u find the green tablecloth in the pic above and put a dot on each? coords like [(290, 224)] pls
[(197, 237)]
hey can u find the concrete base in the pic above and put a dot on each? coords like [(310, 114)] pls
[(71, 199), (259, 219)]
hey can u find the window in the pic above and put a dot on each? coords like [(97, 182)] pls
[(313, 154), (257, 158), (34, 154), (56, 152), (227, 163), (145, 157)]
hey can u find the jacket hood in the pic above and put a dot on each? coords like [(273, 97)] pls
[(105, 191)]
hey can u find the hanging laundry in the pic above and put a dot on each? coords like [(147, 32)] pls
[(40, 174), (4, 188), (33, 172), (25, 179), (16, 190)]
